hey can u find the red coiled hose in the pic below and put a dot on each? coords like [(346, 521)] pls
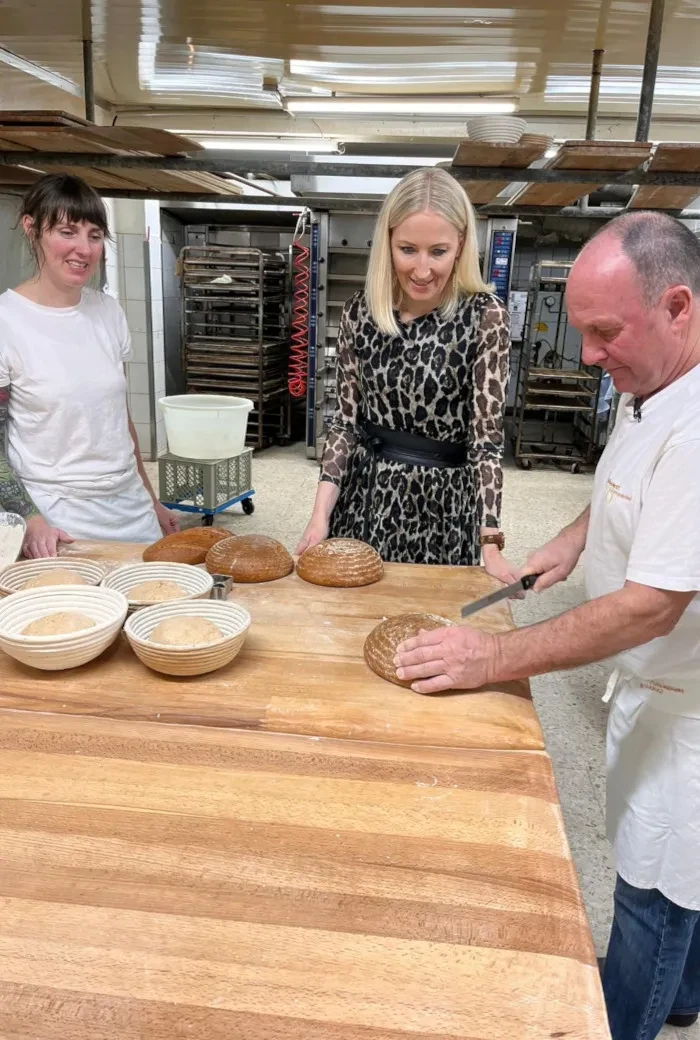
[(299, 357)]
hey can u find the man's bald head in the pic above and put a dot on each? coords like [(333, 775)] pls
[(634, 294), (663, 251)]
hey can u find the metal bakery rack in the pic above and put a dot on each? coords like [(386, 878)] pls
[(556, 407), (235, 331)]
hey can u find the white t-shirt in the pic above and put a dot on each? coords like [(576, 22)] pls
[(68, 429), (645, 528), (68, 422)]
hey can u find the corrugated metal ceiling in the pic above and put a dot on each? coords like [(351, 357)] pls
[(217, 53)]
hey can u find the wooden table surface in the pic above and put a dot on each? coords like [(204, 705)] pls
[(169, 882), (301, 669)]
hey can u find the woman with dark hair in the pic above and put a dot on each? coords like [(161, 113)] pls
[(72, 466)]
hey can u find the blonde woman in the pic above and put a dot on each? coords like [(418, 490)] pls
[(412, 463)]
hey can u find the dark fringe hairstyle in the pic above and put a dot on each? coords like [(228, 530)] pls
[(59, 197)]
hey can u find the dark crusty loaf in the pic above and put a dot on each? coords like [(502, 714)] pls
[(340, 563), (250, 558), (382, 642), (189, 546)]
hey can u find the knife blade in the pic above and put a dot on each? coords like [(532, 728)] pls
[(523, 585)]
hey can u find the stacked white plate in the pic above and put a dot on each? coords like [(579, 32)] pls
[(53, 653), (195, 582), (496, 129), (230, 618), (15, 577)]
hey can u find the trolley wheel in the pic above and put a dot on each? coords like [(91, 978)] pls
[(575, 467), (208, 520), (248, 506), (525, 463)]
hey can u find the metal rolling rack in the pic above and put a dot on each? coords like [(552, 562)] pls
[(556, 395), (235, 331)]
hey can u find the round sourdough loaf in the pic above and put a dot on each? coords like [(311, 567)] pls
[(250, 558), (382, 642), (189, 546), (340, 563)]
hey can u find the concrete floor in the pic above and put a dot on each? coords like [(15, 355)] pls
[(536, 505)]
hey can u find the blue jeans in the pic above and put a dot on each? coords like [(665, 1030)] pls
[(652, 969)]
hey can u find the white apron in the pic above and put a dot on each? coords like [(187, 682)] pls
[(68, 433), (645, 528), (126, 515)]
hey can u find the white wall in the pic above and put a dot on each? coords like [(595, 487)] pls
[(137, 268), (16, 263)]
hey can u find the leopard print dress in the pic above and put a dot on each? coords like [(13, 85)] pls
[(442, 379)]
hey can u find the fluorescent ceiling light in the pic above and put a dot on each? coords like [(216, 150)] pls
[(315, 145), (418, 106), (401, 75)]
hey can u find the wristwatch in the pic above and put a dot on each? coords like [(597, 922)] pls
[(497, 538)]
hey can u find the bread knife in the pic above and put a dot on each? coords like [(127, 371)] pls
[(523, 585)]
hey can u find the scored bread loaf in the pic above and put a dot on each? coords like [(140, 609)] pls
[(189, 546), (250, 558), (382, 642), (340, 563)]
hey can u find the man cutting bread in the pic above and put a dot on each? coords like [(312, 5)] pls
[(634, 294)]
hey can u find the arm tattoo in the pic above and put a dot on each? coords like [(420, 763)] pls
[(13, 496)]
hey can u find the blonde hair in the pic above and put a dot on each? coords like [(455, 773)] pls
[(429, 189)]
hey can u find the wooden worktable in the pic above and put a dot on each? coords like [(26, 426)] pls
[(302, 669), (163, 882), (201, 881)]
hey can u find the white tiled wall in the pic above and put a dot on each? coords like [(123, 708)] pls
[(136, 268), (130, 250)]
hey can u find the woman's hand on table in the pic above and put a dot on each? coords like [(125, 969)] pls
[(41, 540), (169, 523), (454, 658), (499, 567), (316, 531)]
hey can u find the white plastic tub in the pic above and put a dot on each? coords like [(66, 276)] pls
[(205, 426)]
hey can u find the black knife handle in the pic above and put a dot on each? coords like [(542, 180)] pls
[(529, 580)]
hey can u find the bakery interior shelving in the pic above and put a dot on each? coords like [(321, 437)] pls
[(232, 332), (235, 331), (554, 388), (344, 244)]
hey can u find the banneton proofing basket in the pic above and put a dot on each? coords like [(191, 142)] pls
[(196, 582), (14, 577), (232, 619), (105, 607)]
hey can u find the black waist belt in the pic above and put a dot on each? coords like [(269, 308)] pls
[(400, 446)]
